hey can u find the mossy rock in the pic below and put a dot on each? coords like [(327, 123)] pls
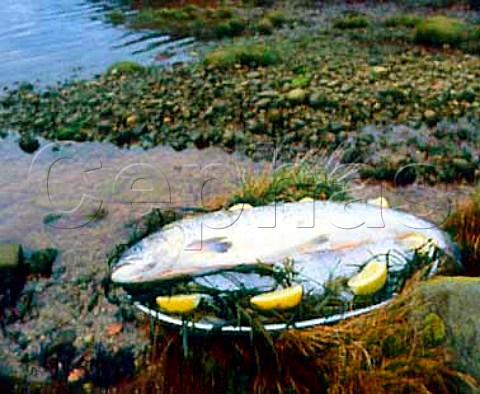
[(265, 26), (71, 135), (433, 330), (10, 257), (351, 22), (41, 261), (296, 96), (244, 54), (276, 17), (11, 261), (402, 20), (447, 313), (231, 28), (441, 30), (125, 68), (28, 143), (116, 17)]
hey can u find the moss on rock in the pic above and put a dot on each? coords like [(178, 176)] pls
[(248, 55), (433, 330), (125, 67), (441, 30), (448, 312), (41, 261), (11, 259)]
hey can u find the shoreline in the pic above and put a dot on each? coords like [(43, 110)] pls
[(368, 94)]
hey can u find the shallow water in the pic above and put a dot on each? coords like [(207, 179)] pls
[(73, 180), (127, 183), (52, 40)]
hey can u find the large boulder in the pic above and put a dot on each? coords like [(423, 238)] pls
[(448, 310)]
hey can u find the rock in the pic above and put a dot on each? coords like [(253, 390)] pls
[(41, 261), (296, 96), (105, 126), (131, 121), (63, 341), (263, 103), (88, 339), (59, 354), (253, 74), (76, 375), (28, 143), (109, 367), (114, 329), (268, 94), (11, 261), (318, 100), (431, 117), (379, 69), (447, 311)]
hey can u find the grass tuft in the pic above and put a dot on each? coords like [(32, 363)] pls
[(265, 26), (440, 30), (351, 22), (290, 183), (125, 68), (402, 20), (243, 54), (464, 226), (276, 17)]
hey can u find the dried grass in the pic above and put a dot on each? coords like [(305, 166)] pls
[(464, 225), (380, 352)]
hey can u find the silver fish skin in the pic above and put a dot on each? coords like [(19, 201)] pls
[(324, 239)]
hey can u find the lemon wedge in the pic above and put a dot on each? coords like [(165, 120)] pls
[(379, 202), (421, 243), (279, 299), (306, 199), (183, 303), (240, 207), (370, 280)]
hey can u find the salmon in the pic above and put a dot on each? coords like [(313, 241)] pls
[(323, 239)]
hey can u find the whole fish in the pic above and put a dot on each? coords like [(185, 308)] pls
[(323, 239)]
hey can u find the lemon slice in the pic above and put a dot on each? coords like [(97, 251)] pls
[(379, 202), (306, 199), (370, 280), (280, 299), (183, 303), (421, 243), (240, 207)]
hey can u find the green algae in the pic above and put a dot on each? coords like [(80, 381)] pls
[(433, 330), (449, 307), (125, 68)]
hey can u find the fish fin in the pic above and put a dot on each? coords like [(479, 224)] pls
[(317, 244), (216, 245)]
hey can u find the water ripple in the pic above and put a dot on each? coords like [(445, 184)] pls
[(51, 40)]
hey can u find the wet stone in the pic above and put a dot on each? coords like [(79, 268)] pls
[(10, 266), (41, 261)]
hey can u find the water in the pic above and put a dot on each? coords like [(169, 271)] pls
[(52, 40)]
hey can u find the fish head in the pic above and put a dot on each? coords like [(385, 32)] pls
[(155, 257), (133, 270)]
